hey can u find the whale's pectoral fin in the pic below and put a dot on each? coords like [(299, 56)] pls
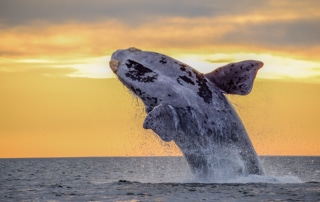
[(236, 78), (164, 121)]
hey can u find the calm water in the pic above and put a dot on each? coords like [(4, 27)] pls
[(152, 179)]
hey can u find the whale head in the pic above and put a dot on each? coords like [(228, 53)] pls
[(157, 78)]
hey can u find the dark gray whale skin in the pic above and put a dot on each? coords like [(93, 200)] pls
[(190, 108)]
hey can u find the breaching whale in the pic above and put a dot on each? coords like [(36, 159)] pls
[(190, 108)]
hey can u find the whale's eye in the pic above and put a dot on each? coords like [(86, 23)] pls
[(138, 72)]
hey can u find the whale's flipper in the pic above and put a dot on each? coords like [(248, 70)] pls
[(164, 121), (236, 78)]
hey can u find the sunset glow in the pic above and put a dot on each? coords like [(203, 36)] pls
[(59, 97)]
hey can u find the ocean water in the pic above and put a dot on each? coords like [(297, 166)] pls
[(152, 179)]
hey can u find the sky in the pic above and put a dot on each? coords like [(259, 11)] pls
[(60, 99)]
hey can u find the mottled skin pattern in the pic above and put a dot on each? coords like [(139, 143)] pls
[(190, 108)]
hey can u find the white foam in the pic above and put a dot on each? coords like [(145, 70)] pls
[(256, 179)]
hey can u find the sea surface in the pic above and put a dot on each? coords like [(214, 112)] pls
[(152, 179)]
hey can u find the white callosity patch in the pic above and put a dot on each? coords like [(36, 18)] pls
[(189, 108), (114, 64)]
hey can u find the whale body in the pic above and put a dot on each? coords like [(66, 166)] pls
[(190, 108)]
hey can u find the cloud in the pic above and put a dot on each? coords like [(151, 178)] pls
[(129, 11), (222, 60), (299, 33), (178, 23), (78, 39), (137, 12), (76, 33), (36, 67)]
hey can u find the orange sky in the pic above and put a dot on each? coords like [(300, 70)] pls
[(59, 98)]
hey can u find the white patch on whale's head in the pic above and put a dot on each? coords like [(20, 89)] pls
[(157, 78)]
